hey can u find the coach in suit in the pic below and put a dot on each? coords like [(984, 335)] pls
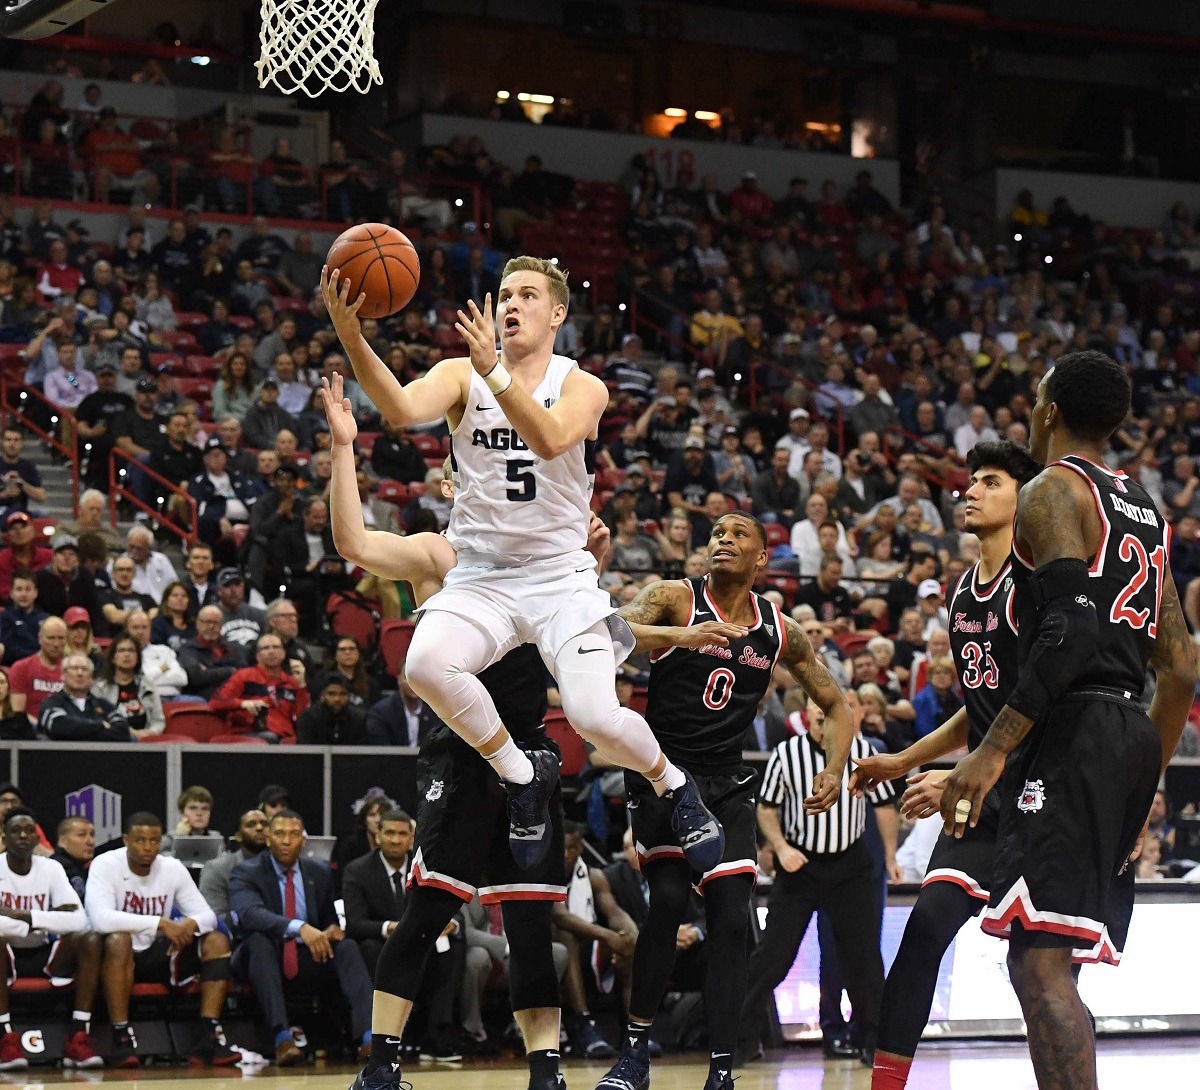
[(374, 892), (400, 719), (291, 941)]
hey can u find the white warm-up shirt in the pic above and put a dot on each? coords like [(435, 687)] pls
[(41, 893)]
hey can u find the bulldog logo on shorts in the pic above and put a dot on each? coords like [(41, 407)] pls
[(435, 791), (1033, 795)]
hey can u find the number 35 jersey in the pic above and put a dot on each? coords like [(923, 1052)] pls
[(511, 507), (983, 640)]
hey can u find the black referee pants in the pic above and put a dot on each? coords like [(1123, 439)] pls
[(844, 886)]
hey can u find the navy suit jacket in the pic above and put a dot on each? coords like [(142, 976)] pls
[(256, 902)]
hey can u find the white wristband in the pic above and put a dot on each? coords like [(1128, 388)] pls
[(498, 379)]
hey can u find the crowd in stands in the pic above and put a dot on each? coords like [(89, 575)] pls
[(821, 360)]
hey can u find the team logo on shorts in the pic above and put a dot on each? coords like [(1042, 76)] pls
[(435, 791), (1032, 796)]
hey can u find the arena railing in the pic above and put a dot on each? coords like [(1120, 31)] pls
[(27, 397), (117, 491)]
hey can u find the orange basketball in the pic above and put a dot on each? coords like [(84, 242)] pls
[(379, 262)]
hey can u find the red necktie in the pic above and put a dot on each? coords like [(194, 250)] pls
[(291, 956), (495, 920)]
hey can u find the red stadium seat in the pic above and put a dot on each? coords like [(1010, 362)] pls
[(777, 535), (428, 445), (237, 740), (198, 389), (852, 642), (572, 747), (197, 722), (396, 492), (353, 616), (638, 701), (394, 638), (181, 339), (169, 739)]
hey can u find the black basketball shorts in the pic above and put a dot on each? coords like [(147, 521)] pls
[(462, 830), (158, 965), (1072, 806), (31, 961), (967, 863), (731, 797)]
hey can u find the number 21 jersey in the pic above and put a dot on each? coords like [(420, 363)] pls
[(510, 506), (983, 640)]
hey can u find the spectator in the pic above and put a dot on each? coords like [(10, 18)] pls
[(902, 593), (153, 572), (74, 714), (828, 598), (806, 535), (282, 185), (22, 482), (207, 659), (299, 271), (233, 392), (284, 906), (175, 622), (265, 419), (122, 600), (198, 576), (908, 492), (251, 839), (242, 624), (735, 471), (164, 933), (223, 497), (195, 806), (154, 309), (305, 557), (348, 663), (632, 551), (401, 719), (123, 684), (395, 457), (21, 622), (333, 720), (750, 202), (114, 161), (689, 478), (137, 434), (263, 249), (231, 170), (79, 637), (35, 678), (22, 553), (172, 258), (262, 700), (48, 164), (92, 519), (57, 582), (775, 495), (977, 430), (937, 701), (175, 459), (159, 663)]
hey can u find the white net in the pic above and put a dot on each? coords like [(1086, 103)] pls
[(318, 45)]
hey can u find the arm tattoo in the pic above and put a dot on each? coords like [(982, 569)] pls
[(1173, 646), (1049, 521), (1007, 730), (807, 668), (655, 604)]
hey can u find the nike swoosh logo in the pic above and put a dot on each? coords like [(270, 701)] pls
[(482, 408), (534, 832), (589, 650), (580, 571)]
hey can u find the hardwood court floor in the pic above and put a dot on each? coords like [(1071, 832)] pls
[(1126, 1063)]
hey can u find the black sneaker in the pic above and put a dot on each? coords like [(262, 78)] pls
[(124, 1053), (700, 834), (529, 811), (555, 1082), (382, 1079), (590, 1045), (721, 1079), (630, 1072), (212, 1050), (441, 1048)]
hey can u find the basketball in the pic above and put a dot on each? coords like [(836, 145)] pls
[(379, 262)]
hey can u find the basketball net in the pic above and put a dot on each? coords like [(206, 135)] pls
[(318, 45)]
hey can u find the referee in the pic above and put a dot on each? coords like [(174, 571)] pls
[(822, 861)]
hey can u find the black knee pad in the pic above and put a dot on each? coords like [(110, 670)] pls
[(532, 980), (402, 960), (215, 969)]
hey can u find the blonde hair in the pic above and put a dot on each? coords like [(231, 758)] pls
[(946, 664), (556, 278)]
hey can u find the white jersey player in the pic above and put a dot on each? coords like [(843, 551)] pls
[(521, 429)]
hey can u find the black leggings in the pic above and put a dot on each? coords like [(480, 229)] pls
[(941, 910), (727, 920), (533, 983)]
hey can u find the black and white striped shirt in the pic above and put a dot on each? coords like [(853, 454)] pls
[(787, 782)]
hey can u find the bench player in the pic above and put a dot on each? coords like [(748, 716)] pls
[(523, 430), (983, 640), (702, 701), (462, 829)]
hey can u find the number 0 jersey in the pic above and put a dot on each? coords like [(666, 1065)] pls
[(511, 507), (983, 640), (703, 701), (1127, 575)]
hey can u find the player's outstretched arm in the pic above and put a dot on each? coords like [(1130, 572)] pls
[(547, 432), (816, 680), (417, 558), (872, 771), (659, 614), (423, 400), (1174, 662)]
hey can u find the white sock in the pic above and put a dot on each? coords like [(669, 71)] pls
[(671, 778), (83, 1016), (511, 764), (6, 1022)]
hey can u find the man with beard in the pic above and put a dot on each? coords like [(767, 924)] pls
[(251, 837)]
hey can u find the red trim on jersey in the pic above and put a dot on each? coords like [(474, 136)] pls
[(1010, 612), (1100, 466), (958, 878), (782, 635), (1097, 565), (726, 870), (993, 585), (1016, 548)]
